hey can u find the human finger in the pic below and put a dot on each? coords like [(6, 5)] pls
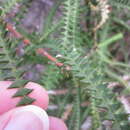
[(7, 102), (25, 118), (57, 124)]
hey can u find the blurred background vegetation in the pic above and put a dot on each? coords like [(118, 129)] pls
[(79, 50)]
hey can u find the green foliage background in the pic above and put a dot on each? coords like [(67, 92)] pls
[(92, 64)]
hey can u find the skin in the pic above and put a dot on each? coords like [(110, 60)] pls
[(30, 117)]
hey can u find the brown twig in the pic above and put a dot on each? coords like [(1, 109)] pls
[(67, 112)]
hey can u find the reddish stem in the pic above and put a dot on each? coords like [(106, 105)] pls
[(11, 29), (40, 51)]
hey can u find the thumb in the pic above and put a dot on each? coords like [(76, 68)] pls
[(57, 124), (25, 118)]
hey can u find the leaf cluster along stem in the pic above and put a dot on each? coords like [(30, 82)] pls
[(27, 42)]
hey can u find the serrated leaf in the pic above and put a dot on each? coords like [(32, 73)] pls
[(3, 60), (20, 73), (18, 84), (8, 77), (6, 67), (25, 101), (22, 92)]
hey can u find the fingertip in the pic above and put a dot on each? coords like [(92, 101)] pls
[(6, 95), (25, 118), (6, 100), (40, 94), (57, 124), (5, 83)]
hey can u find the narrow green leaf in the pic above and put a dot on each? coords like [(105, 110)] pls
[(18, 83), (22, 92), (111, 40), (25, 101)]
